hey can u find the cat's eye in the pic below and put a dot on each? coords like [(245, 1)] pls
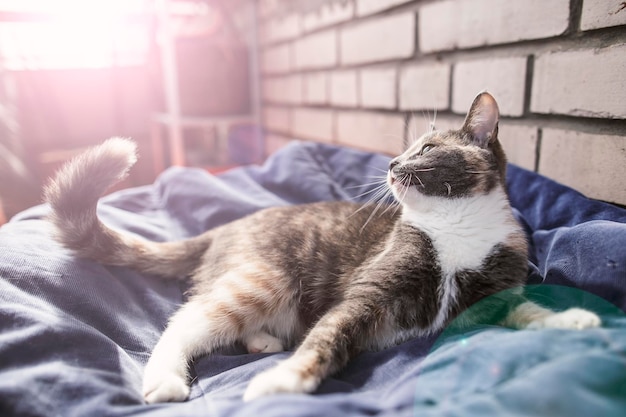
[(426, 148)]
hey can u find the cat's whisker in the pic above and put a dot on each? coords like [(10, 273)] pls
[(352, 187), (477, 172), (378, 191), (449, 187)]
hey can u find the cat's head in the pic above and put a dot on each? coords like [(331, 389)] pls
[(454, 163)]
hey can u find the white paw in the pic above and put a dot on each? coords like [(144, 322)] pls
[(574, 318), (160, 387), (263, 343), (280, 380)]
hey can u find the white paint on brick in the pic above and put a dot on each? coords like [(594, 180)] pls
[(281, 28), (318, 50), (385, 38), (328, 14), (344, 88), (592, 164), (277, 118), (283, 89), (378, 88), (519, 143), (268, 7), (366, 7), (452, 24), (419, 123), (313, 124), (276, 59), (425, 87), (589, 83), (379, 132), (316, 87), (504, 78), (602, 13)]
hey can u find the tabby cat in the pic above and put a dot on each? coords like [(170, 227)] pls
[(316, 278)]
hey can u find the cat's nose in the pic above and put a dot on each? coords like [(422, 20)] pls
[(393, 163)]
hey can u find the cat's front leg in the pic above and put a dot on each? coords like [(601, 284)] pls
[(191, 332), (326, 349)]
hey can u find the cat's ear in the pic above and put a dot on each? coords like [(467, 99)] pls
[(482, 120)]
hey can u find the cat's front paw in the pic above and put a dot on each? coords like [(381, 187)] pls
[(164, 387), (573, 318), (280, 380)]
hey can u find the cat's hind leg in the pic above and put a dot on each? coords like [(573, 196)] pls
[(263, 342)]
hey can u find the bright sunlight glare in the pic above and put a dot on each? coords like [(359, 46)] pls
[(74, 34)]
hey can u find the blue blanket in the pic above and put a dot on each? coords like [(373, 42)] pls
[(75, 335)]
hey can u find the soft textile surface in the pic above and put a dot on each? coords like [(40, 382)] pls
[(75, 335)]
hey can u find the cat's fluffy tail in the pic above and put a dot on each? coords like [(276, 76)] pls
[(73, 196)]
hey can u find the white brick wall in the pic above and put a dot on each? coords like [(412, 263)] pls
[(277, 59), (350, 72), (283, 89), (282, 28), (277, 118), (378, 40), (519, 143), (602, 13), (316, 124), (451, 24), (588, 83), (373, 131), (344, 88), (316, 87), (378, 88), (593, 164), (328, 14), (318, 50), (425, 87), (504, 78), (366, 7)]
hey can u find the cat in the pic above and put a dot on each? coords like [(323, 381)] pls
[(328, 279)]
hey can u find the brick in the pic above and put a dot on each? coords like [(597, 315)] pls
[(268, 7), (316, 88), (317, 124), (277, 118), (327, 15), (519, 143), (379, 132), (274, 142), (367, 7), (452, 24), (419, 124), (281, 28), (425, 87), (344, 88), (378, 88), (318, 50), (504, 78), (276, 59), (592, 164), (602, 13), (587, 83), (390, 37), (283, 89)]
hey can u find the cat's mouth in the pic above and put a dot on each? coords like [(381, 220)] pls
[(402, 180)]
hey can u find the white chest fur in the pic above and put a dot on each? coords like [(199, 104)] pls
[(463, 232)]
